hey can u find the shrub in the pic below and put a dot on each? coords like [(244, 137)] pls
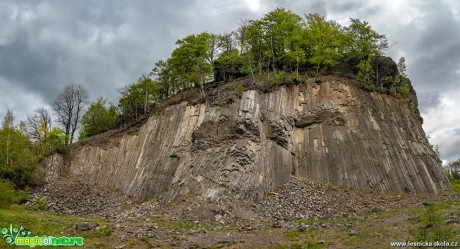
[(404, 90), (7, 194), (434, 227), (239, 89), (40, 203), (366, 75)]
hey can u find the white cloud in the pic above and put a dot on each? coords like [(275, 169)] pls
[(442, 124), (253, 5)]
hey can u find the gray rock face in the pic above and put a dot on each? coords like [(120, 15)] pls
[(332, 132)]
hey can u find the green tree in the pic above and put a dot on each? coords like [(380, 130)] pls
[(324, 42), (38, 127), (366, 75), (280, 33), (229, 65), (363, 41), (18, 162), (55, 141), (269, 42), (164, 75), (402, 67), (254, 49), (98, 119), (454, 169), (192, 61), (137, 98), (7, 194)]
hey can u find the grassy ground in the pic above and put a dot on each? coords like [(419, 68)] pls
[(429, 223), (41, 223)]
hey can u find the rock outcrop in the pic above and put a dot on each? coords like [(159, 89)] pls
[(330, 131)]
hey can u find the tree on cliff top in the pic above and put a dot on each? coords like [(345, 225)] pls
[(98, 119), (324, 41), (363, 41), (69, 106)]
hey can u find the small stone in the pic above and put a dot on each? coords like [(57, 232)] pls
[(302, 227), (353, 232), (277, 224), (83, 226)]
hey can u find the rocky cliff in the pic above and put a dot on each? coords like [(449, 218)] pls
[(328, 130)]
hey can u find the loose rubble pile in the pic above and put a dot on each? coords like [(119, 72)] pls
[(301, 199), (298, 199), (69, 196), (145, 209)]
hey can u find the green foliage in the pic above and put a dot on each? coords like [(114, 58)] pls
[(40, 203), (454, 169), (366, 75), (280, 40), (136, 99), (324, 41), (453, 174), (229, 65), (239, 89), (98, 119), (402, 67), (104, 231), (341, 119), (192, 61), (18, 162), (55, 141), (281, 78), (7, 194), (434, 227), (404, 90), (363, 41)]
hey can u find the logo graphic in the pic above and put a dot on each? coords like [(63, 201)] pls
[(21, 237)]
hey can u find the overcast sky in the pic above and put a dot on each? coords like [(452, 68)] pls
[(106, 44)]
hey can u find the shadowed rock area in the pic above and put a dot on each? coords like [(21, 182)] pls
[(328, 130)]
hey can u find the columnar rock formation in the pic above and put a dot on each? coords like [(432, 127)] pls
[(330, 131)]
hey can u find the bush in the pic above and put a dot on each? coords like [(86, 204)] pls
[(7, 194), (40, 203), (366, 75), (281, 78), (434, 227), (239, 89), (404, 90)]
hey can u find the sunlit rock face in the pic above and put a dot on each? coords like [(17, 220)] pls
[(330, 131)]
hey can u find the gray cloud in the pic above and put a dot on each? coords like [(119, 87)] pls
[(434, 45), (427, 100), (449, 147)]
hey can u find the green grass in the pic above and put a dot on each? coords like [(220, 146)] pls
[(41, 223), (455, 185)]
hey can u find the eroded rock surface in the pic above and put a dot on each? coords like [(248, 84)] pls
[(329, 131)]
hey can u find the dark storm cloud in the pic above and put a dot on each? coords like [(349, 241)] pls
[(102, 45)]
